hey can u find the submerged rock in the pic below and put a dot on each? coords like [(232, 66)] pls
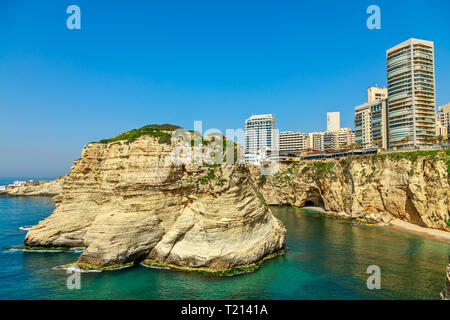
[(126, 201)]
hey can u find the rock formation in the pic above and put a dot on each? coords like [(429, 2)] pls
[(446, 292), (407, 186), (125, 201), (44, 189)]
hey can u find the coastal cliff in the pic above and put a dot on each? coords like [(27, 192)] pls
[(44, 189), (125, 201), (412, 187)]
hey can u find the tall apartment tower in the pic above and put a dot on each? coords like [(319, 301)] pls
[(260, 135), (411, 93), (333, 121), (375, 93)]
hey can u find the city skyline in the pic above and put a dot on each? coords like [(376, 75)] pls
[(156, 63)]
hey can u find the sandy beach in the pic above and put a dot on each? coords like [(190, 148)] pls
[(399, 225), (427, 233)]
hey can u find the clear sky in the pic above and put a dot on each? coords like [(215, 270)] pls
[(139, 62)]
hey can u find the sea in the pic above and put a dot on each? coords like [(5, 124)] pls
[(327, 258)]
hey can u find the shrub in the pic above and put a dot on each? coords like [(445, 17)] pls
[(130, 136)]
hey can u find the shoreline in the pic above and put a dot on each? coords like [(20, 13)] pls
[(237, 270), (397, 225), (410, 228)]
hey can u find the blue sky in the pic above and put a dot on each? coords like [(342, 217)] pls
[(139, 62)]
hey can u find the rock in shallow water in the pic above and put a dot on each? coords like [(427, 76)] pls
[(127, 201)]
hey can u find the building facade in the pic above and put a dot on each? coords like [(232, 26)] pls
[(333, 121), (292, 143), (375, 93), (411, 93), (331, 140), (343, 138), (316, 141), (260, 138), (443, 121), (371, 125)]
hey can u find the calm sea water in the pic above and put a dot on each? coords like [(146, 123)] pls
[(327, 260)]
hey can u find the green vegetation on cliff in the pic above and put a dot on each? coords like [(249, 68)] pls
[(320, 169), (157, 131), (88, 267), (436, 155)]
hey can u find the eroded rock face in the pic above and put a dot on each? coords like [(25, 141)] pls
[(446, 292), (375, 188), (128, 201)]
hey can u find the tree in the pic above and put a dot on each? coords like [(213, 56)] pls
[(440, 139), (377, 143), (405, 140), (429, 140)]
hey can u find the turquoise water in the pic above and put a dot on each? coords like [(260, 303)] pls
[(327, 260)]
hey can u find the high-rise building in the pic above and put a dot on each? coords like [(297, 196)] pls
[(290, 142), (260, 138), (411, 93), (375, 93), (333, 121), (371, 124), (443, 121)]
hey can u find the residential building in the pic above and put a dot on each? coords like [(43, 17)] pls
[(443, 116), (17, 183), (411, 93), (371, 124), (375, 93), (343, 138), (442, 131), (331, 140), (260, 138), (443, 121), (333, 121), (290, 142), (317, 141)]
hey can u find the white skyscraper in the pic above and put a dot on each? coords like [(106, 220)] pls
[(411, 94), (333, 121), (260, 138)]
